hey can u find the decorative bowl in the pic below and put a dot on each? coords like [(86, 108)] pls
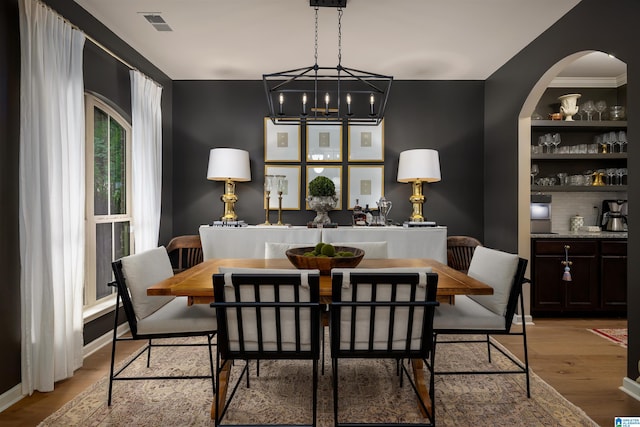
[(324, 264)]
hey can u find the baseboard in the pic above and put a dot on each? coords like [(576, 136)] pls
[(631, 387), (11, 396), (517, 319), (105, 339), (14, 395)]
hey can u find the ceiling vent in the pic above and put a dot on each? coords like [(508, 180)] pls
[(157, 21)]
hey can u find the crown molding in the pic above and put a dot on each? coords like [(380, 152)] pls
[(596, 82)]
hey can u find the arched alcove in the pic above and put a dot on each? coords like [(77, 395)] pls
[(524, 150)]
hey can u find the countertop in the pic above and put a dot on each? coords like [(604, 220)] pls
[(581, 235)]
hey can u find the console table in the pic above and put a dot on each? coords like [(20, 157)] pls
[(249, 242)]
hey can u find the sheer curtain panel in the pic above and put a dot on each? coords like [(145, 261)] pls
[(146, 169), (51, 196)]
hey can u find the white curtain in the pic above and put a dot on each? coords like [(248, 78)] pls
[(51, 196), (146, 157)]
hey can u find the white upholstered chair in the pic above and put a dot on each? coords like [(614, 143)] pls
[(486, 315), (384, 314), (267, 314), (154, 317)]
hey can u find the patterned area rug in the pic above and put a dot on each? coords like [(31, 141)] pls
[(618, 336), (369, 392)]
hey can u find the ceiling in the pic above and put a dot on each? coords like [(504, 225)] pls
[(408, 39)]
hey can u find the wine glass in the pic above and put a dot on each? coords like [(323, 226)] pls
[(601, 107), (555, 140), (589, 108), (534, 172), (548, 141), (613, 140), (622, 139), (541, 143)]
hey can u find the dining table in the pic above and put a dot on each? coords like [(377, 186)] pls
[(196, 284)]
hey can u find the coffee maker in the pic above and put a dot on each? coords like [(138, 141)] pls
[(614, 215)]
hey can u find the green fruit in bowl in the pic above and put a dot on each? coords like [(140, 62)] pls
[(328, 250), (318, 248)]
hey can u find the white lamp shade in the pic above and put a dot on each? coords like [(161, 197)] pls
[(419, 164), (229, 163)]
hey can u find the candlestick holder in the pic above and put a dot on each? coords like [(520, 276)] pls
[(268, 184), (279, 208), (280, 184)]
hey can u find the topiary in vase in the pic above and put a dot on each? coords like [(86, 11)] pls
[(322, 198)]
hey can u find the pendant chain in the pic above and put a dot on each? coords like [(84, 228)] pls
[(316, 37), (339, 35)]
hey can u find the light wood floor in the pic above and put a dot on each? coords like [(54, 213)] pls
[(586, 369)]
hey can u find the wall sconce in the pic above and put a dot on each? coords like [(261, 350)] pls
[(418, 166), (229, 165)]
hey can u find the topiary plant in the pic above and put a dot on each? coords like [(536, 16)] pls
[(322, 186)]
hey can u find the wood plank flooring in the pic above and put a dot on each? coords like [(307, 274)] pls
[(586, 369)]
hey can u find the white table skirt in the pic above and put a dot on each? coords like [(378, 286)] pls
[(249, 242)]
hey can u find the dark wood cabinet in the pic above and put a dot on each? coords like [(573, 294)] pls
[(613, 273), (598, 273)]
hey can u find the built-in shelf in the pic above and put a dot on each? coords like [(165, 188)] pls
[(598, 156), (577, 188), (580, 124)]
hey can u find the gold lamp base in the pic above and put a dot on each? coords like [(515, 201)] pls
[(229, 198), (417, 199)]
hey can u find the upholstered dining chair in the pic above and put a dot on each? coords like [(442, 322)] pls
[(384, 314), (184, 252), (487, 315), (155, 317), (266, 314), (460, 251)]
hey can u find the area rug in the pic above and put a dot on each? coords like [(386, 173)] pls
[(369, 392), (618, 336)]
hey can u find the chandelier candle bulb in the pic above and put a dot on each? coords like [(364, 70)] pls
[(372, 100), (349, 104), (281, 102), (304, 104)]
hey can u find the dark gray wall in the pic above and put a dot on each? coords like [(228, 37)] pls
[(9, 238), (508, 88), (103, 75), (444, 115)]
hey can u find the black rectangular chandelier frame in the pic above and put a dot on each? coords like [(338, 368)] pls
[(327, 95), (347, 88)]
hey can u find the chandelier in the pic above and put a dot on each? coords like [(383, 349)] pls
[(327, 95)]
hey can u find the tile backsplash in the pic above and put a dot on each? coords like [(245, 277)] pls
[(588, 205)]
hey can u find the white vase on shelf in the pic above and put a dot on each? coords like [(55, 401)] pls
[(568, 105)]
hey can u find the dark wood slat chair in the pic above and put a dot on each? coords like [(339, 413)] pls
[(460, 251), (185, 252)]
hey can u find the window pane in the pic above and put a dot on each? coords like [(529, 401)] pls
[(117, 143), (100, 161), (103, 260), (121, 237)]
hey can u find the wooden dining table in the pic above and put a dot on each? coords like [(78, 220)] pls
[(196, 283)]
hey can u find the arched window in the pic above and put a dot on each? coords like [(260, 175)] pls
[(108, 201)]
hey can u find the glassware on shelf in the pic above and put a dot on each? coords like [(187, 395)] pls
[(601, 107), (622, 140), (534, 171), (617, 112), (555, 140), (589, 108)]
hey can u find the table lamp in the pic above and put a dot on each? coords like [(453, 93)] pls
[(418, 166), (229, 165)]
